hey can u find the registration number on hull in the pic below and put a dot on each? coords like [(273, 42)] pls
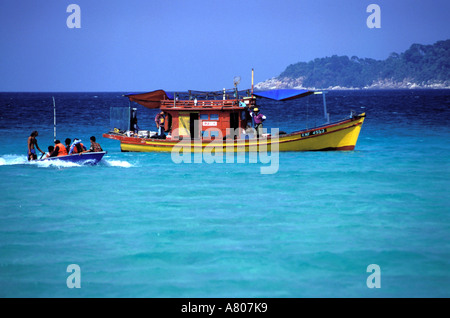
[(314, 132)]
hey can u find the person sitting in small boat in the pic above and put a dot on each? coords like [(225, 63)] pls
[(258, 119), (67, 142), (76, 147), (59, 150), (50, 150), (95, 147)]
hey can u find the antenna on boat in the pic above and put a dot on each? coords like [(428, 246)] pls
[(325, 113), (54, 118), (236, 80), (252, 80)]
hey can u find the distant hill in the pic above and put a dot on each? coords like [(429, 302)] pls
[(421, 66)]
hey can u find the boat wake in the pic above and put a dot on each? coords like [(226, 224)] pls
[(8, 160), (12, 160), (117, 163), (56, 164)]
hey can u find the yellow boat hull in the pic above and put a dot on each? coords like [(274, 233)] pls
[(342, 135)]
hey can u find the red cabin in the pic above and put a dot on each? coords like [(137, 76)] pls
[(206, 119)]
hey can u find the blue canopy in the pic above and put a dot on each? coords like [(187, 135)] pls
[(170, 95), (283, 94)]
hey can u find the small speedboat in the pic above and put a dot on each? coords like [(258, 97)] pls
[(87, 158)]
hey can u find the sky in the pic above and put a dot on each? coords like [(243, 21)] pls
[(144, 45)]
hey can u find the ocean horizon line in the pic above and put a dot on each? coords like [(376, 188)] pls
[(316, 89)]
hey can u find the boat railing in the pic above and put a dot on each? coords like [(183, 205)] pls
[(189, 104)]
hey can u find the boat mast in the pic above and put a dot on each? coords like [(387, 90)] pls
[(54, 118)]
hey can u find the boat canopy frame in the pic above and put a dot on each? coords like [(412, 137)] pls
[(158, 98)]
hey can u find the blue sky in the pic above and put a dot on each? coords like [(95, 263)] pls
[(138, 45)]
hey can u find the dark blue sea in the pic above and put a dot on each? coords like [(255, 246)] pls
[(141, 225)]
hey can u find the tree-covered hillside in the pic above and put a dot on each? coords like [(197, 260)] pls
[(420, 64)]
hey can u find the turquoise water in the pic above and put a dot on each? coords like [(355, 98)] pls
[(140, 225)]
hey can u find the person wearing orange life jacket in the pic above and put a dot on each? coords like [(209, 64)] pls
[(59, 150), (76, 147)]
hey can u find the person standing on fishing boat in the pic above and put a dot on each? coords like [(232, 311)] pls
[(159, 120), (32, 145), (258, 119), (134, 122)]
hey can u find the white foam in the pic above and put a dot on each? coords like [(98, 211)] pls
[(55, 163), (118, 163), (8, 160)]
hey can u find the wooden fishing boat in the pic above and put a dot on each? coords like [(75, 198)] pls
[(199, 120)]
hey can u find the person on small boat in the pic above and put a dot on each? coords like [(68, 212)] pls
[(50, 150), (258, 119), (32, 145), (67, 142), (95, 147), (59, 150), (76, 147)]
